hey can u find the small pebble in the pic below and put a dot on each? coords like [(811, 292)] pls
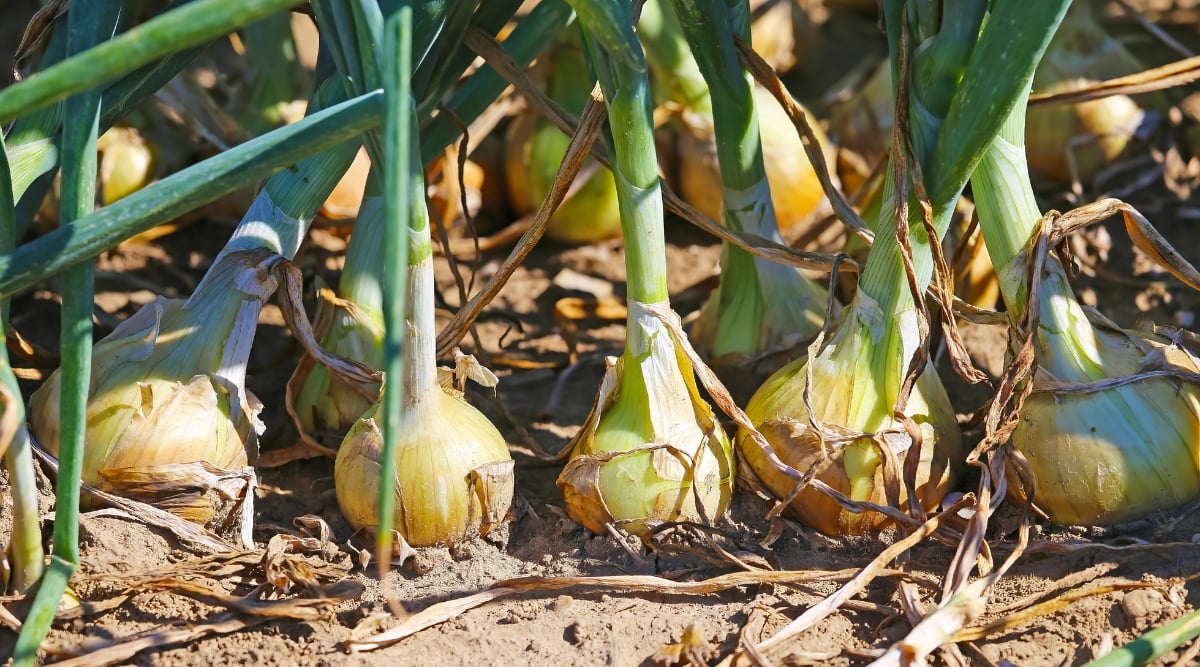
[(1142, 603)]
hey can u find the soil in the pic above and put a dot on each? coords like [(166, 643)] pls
[(145, 588)]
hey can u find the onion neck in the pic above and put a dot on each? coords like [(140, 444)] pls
[(420, 337), (362, 276), (1009, 216)]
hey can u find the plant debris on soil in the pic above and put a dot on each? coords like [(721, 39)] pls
[(543, 590)]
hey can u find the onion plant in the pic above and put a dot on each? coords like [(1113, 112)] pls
[(1104, 436), (868, 395), (651, 450), (420, 459), (349, 321), (759, 304)]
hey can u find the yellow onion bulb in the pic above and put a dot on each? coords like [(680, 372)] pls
[(1119, 453), (143, 413), (847, 401), (795, 189), (1093, 133), (323, 405), (453, 477), (534, 149), (1090, 134), (652, 449), (126, 163)]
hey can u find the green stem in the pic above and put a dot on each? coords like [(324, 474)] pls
[(28, 555), (1152, 645), (280, 215), (631, 141), (1008, 216), (1008, 209), (362, 275), (189, 25), (1016, 36), (670, 57), (186, 190), (86, 27), (420, 344), (25, 547), (398, 165)]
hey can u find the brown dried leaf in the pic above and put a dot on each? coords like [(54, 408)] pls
[(220, 500), (493, 486)]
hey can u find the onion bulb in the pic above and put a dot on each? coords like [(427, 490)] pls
[(126, 163), (795, 190), (453, 473), (534, 149), (1091, 134), (167, 406), (1112, 454), (651, 450), (453, 477), (847, 401)]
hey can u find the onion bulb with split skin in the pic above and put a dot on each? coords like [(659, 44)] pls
[(856, 416), (168, 407), (652, 449)]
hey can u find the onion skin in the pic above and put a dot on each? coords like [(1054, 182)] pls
[(453, 477), (626, 464), (157, 427), (844, 397)]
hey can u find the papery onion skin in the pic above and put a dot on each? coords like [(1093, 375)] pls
[(622, 470), (143, 412), (843, 396), (438, 501)]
